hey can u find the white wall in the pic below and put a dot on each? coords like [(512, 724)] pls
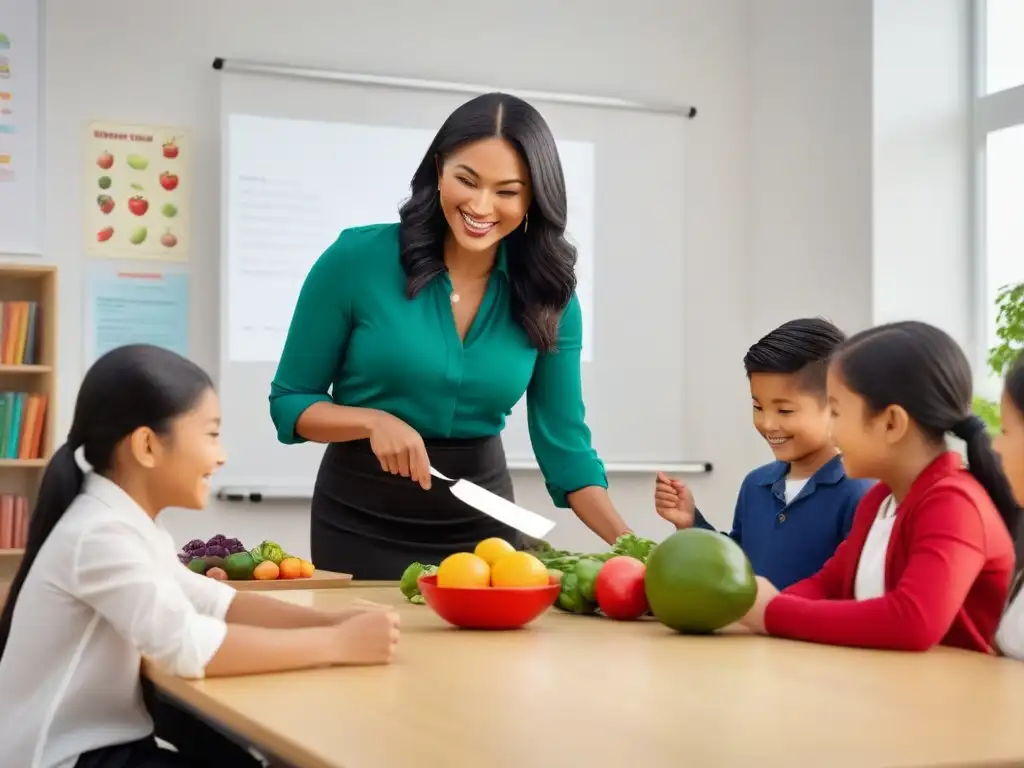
[(809, 90), (921, 166), (778, 174)]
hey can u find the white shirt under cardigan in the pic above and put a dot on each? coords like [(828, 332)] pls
[(105, 590), (870, 579)]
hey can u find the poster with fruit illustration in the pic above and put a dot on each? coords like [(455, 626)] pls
[(136, 197)]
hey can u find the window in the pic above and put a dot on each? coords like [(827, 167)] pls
[(1004, 44), (999, 145), (1004, 221)]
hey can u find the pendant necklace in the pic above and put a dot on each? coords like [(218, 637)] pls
[(455, 297)]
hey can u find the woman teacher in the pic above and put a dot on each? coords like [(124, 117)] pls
[(426, 333)]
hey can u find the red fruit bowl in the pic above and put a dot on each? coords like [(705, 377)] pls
[(488, 607)]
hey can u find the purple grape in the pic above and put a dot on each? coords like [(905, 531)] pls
[(217, 540), (201, 552), (194, 545), (216, 551), (184, 557)]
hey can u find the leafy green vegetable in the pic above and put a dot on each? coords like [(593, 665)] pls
[(409, 584), (631, 545), (579, 570), (271, 550)]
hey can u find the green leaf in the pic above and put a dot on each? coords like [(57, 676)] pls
[(1009, 329)]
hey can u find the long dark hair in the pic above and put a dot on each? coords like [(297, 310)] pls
[(922, 369), (541, 262), (129, 387)]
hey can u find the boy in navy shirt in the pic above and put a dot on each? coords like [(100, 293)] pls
[(793, 513)]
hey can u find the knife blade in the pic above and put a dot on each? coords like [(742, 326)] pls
[(502, 510)]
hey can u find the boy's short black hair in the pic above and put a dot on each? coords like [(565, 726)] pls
[(802, 346)]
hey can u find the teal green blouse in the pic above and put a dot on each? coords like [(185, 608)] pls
[(357, 335)]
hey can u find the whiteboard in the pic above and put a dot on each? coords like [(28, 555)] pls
[(294, 174), (282, 206)]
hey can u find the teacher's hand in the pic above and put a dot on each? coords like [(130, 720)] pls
[(400, 449)]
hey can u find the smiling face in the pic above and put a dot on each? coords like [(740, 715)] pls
[(793, 420), (182, 461), (1009, 444), (484, 188)]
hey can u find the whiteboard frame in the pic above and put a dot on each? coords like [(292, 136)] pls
[(445, 86)]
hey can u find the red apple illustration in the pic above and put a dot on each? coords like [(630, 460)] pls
[(138, 205), (106, 203), (105, 160), (170, 149), (168, 180)]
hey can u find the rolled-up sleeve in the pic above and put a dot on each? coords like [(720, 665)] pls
[(143, 601), (557, 416), (316, 342), (208, 596)]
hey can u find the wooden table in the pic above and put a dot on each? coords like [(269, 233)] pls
[(588, 692)]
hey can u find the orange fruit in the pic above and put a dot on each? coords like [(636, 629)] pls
[(291, 568), (519, 569), (266, 571), (490, 550), (463, 569), (307, 569)]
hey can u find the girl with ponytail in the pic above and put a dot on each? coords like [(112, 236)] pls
[(930, 556), (100, 586)]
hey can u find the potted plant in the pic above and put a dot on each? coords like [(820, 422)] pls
[(1010, 331)]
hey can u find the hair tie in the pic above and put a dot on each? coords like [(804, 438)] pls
[(968, 427)]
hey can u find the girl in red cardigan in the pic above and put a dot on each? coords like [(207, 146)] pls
[(929, 558)]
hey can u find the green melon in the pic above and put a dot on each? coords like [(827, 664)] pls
[(698, 581)]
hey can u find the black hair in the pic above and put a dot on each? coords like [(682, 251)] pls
[(541, 262), (133, 386), (802, 346), (1014, 384), (922, 369)]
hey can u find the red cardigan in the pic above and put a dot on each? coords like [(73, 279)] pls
[(947, 573)]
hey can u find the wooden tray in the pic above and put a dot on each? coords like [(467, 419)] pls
[(319, 580)]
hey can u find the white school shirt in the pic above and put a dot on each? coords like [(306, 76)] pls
[(105, 590), (870, 579)]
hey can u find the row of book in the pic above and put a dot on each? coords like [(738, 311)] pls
[(19, 332), (13, 521), (22, 417)]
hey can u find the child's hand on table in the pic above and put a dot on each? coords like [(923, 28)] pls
[(754, 619), (673, 501), (368, 637)]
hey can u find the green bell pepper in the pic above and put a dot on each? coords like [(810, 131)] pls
[(586, 572), (410, 582), (570, 600)]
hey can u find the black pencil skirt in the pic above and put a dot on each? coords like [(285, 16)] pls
[(373, 524)]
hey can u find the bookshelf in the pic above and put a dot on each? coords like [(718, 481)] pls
[(28, 368)]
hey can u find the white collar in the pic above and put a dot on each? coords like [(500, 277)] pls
[(115, 497)]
